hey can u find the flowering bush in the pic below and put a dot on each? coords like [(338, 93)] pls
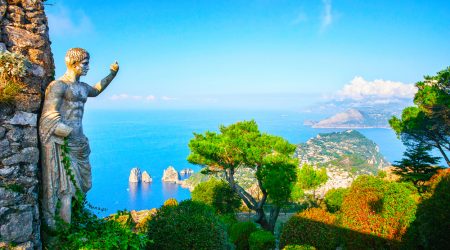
[(377, 208), (311, 227)]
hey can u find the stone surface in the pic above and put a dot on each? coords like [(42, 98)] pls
[(18, 227), (23, 38), (23, 118), (2, 47), (27, 155), (146, 177), (135, 175), (23, 30), (170, 175), (2, 132)]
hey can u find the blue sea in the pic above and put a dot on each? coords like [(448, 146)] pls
[(154, 140)]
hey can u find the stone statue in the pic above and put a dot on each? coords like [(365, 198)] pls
[(61, 118)]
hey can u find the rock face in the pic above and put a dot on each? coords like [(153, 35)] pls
[(135, 175), (170, 175), (23, 30), (186, 171), (146, 177)]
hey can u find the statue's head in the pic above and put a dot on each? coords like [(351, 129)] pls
[(77, 59)]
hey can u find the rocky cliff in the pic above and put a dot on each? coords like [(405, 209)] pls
[(24, 31)]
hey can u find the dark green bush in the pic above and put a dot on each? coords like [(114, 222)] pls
[(261, 240), (190, 225), (217, 194), (431, 229), (314, 226), (334, 199), (240, 234), (299, 247)]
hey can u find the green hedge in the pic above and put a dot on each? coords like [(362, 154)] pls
[(190, 225), (240, 234), (261, 240)]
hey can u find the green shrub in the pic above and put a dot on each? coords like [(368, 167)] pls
[(299, 247), (217, 194), (228, 220), (377, 213), (171, 202), (261, 240), (240, 234), (431, 229), (12, 67), (190, 225), (334, 199), (314, 226), (87, 231)]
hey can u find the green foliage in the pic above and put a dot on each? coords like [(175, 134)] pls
[(240, 234), (417, 164), (242, 145), (431, 229), (428, 122), (299, 247), (86, 230), (171, 202), (315, 227), (261, 240), (379, 208), (190, 225), (308, 178), (12, 67), (15, 188), (218, 194), (334, 199)]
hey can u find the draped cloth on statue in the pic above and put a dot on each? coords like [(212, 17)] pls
[(58, 183)]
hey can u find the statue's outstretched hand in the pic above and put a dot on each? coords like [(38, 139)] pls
[(114, 67)]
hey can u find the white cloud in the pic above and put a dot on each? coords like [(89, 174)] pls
[(379, 90), (167, 98), (327, 14), (64, 22), (119, 97), (150, 98)]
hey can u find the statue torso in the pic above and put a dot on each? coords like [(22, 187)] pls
[(72, 107)]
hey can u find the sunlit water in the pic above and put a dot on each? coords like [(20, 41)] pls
[(153, 140)]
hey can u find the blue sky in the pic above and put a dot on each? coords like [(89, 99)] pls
[(260, 54)]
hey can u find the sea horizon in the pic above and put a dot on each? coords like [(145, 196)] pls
[(152, 140)]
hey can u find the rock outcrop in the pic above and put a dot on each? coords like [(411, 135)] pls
[(170, 175), (135, 175), (23, 30), (186, 171), (146, 177)]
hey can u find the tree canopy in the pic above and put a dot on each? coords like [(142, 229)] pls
[(242, 145), (429, 121)]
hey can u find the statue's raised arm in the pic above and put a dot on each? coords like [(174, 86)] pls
[(61, 123), (100, 86)]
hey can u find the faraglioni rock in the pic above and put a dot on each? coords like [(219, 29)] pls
[(146, 177), (135, 175), (187, 171), (170, 175)]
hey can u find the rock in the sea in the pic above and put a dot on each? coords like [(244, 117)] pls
[(135, 175), (170, 175), (187, 171), (146, 177)]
